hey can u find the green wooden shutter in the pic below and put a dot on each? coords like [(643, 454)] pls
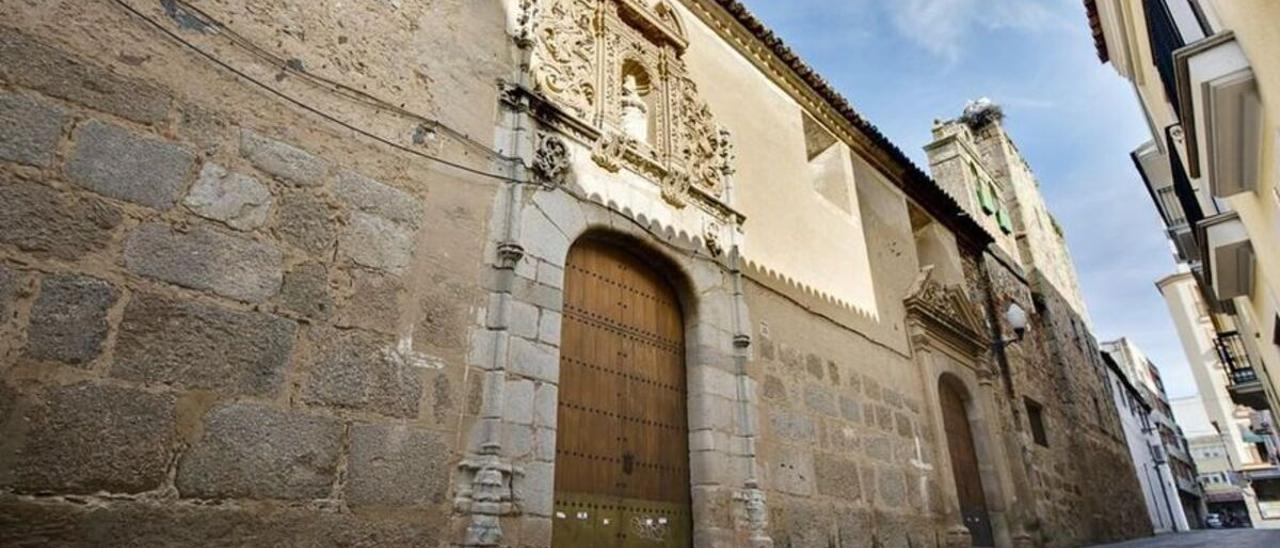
[(987, 197), (1006, 224)]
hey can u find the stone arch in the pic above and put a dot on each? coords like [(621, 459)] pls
[(721, 412)]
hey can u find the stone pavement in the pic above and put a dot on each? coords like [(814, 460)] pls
[(1218, 538)]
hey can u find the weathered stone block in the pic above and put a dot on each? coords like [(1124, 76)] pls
[(124, 165), (550, 275), (28, 63), (545, 399), (821, 400), (306, 291), (891, 485), (254, 451), (304, 221), (850, 409), (533, 360), (884, 418), (40, 219), (791, 471), (522, 319), (537, 488), (373, 303), (352, 371), (69, 319), (879, 448), (236, 199), (837, 477), (85, 438), (376, 198), (396, 466), (206, 259), (813, 364), (377, 243), (904, 425), (194, 345), (517, 401), (792, 426), (163, 523), (9, 282), (443, 314), (549, 325), (773, 389), (29, 129), (283, 160)]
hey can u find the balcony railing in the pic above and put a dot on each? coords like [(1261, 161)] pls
[(1243, 376), (1234, 357), (1171, 207)]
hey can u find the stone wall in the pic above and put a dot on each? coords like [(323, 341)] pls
[(1077, 492), (226, 318), (844, 449)]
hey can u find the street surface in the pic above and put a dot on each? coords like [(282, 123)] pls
[(1216, 538)]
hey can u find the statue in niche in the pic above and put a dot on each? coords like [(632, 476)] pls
[(635, 111)]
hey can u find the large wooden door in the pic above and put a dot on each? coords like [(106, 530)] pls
[(964, 464), (622, 439)]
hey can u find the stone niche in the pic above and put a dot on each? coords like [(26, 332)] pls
[(613, 77)]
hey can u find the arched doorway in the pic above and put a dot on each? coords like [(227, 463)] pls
[(964, 460), (622, 442)]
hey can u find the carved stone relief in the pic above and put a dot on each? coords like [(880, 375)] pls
[(613, 70), (565, 47), (550, 160)]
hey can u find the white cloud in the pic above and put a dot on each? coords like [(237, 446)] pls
[(941, 26)]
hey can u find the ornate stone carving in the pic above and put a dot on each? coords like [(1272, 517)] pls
[(550, 160), (565, 65), (945, 312), (711, 235), (615, 67), (524, 30), (608, 151), (675, 187), (704, 148), (485, 493), (754, 515)]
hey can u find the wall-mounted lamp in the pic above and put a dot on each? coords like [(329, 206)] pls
[(1017, 319)]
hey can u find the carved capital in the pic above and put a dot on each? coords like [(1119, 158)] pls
[(958, 536), (509, 254)]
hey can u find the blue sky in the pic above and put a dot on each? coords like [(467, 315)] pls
[(904, 63)]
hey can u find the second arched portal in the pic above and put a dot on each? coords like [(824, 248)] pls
[(964, 460)]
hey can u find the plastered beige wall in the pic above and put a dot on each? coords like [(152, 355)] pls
[(790, 227)]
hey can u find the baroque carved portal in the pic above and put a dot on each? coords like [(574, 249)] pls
[(613, 71)]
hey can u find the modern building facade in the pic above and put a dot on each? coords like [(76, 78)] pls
[(1170, 467), (1229, 490), (1234, 441), (1201, 71), (1145, 447), (512, 273)]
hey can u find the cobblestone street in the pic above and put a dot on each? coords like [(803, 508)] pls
[(1223, 538)]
